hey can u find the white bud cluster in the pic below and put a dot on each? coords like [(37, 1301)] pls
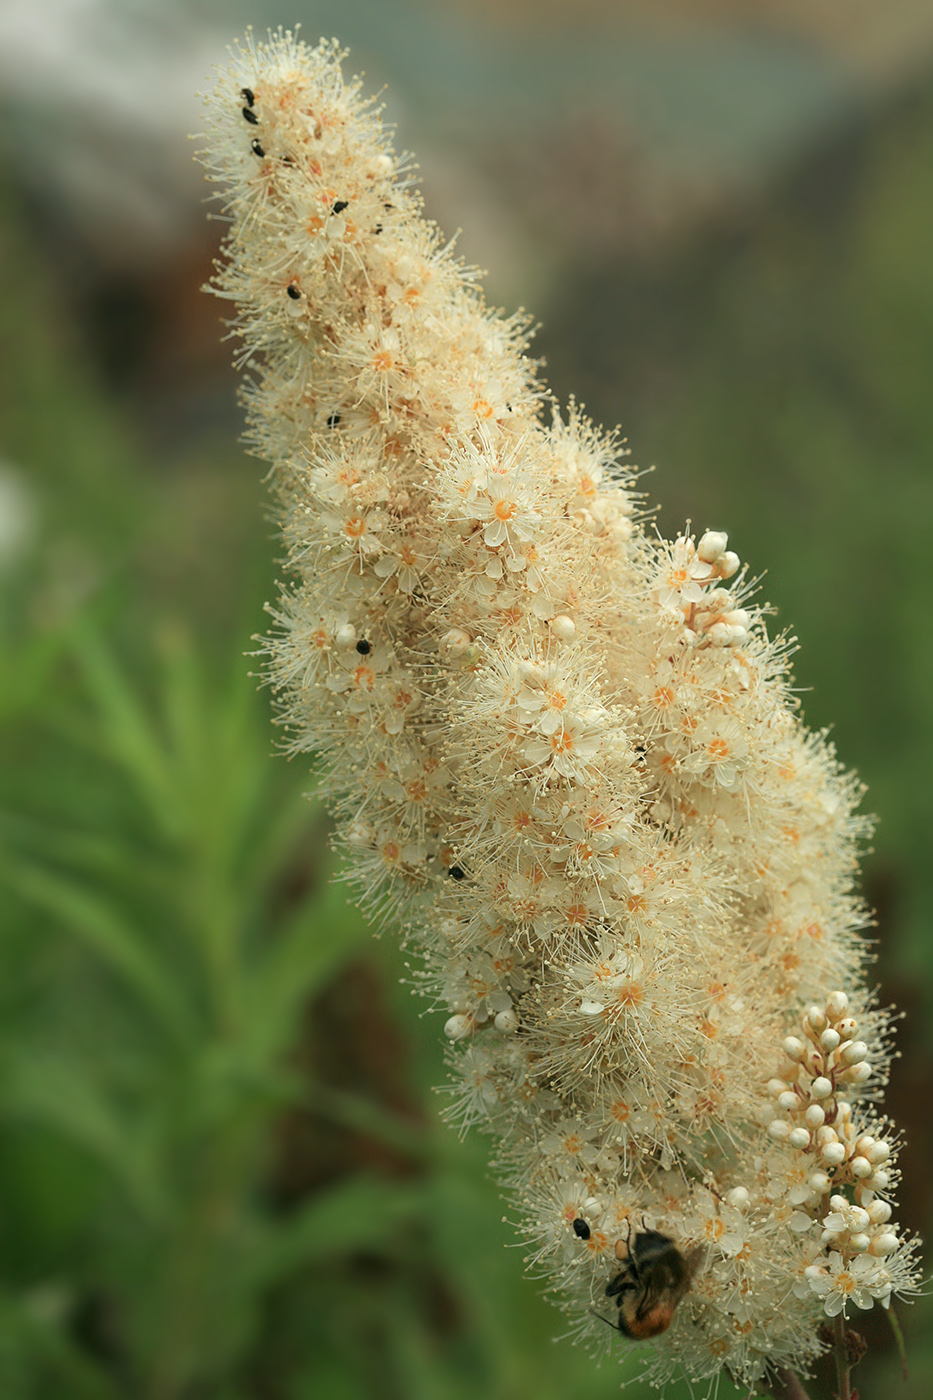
[(562, 753), (816, 1120), (687, 591)]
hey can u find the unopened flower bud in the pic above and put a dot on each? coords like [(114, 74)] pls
[(816, 1019), (728, 564), (458, 1026), (821, 1088), (563, 627), (712, 546), (883, 1244), (738, 619), (456, 641), (829, 1041), (814, 1116)]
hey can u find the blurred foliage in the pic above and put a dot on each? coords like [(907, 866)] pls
[(221, 1174)]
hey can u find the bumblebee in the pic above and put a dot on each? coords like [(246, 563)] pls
[(653, 1279)]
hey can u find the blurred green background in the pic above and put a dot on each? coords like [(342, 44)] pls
[(222, 1172)]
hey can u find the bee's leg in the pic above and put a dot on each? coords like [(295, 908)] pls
[(620, 1283), (614, 1325)]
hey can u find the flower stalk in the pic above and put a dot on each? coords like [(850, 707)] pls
[(564, 757), (840, 1355)]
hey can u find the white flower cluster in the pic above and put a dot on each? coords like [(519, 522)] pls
[(561, 754), (855, 1252)]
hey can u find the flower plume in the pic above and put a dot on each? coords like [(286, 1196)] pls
[(563, 758)]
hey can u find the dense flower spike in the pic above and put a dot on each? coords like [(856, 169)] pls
[(563, 756)]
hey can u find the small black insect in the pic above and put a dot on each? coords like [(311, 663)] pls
[(250, 116), (378, 228), (339, 205), (333, 419), (363, 647), (248, 96), (456, 873), (581, 1229), (293, 291), (256, 148)]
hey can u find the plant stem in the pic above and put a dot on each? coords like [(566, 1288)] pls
[(899, 1339), (842, 1360)]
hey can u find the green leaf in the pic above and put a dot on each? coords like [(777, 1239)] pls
[(109, 935), (57, 1094), (35, 1351), (129, 734), (301, 959), (363, 1213)]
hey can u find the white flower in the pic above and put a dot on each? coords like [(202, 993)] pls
[(837, 1283), (684, 576), (568, 749), (507, 506), (561, 754)]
